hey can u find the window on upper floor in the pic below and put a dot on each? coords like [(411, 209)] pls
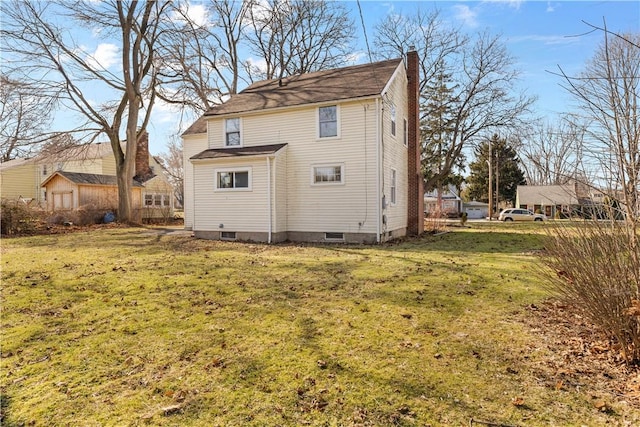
[(232, 132), (392, 112), (328, 174), (44, 170), (328, 121), (233, 179)]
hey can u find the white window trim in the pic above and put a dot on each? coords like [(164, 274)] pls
[(238, 169), (393, 118), (327, 165), (224, 132), (393, 191), (338, 133), (406, 132)]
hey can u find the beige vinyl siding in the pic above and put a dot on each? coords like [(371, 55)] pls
[(339, 207), (280, 191), (192, 145), (108, 165), (20, 181), (238, 210), (395, 152)]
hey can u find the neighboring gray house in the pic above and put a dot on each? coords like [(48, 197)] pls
[(450, 202)]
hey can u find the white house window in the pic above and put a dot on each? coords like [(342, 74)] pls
[(328, 174), (233, 179), (328, 121), (44, 170), (392, 110), (406, 133), (232, 132), (393, 186)]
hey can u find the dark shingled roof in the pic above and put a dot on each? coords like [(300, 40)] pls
[(91, 178), (216, 153), (357, 81)]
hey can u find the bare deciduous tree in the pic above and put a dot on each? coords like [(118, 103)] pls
[(299, 36), (608, 91), (41, 49), (201, 63), (172, 163), (485, 99), (24, 117), (552, 155)]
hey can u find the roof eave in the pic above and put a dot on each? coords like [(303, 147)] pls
[(244, 113)]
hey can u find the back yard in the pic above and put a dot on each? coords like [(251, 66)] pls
[(136, 327)]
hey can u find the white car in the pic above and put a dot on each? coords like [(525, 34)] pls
[(520, 215)]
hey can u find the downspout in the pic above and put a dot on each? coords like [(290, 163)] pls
[(193, 197), (269, 201), (378, 167)]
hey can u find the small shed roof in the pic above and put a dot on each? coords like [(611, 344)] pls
[(217, 153), (88, 179)]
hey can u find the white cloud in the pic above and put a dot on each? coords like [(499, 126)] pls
[(515, 4), (259, 64), (550, 7), (197, 13), (465, 14), (105, 55)]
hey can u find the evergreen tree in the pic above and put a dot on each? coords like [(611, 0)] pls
[(505, 169), (437, 124)]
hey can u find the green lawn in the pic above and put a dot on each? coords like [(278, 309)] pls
[(128, 327)]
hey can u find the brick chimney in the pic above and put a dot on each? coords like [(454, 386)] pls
[(143, 171), (415, 210)]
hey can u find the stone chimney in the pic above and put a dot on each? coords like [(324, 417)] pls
[(415, 210), (143, 171)]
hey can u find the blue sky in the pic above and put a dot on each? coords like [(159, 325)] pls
[(540, 35)]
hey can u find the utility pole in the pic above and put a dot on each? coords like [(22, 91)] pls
[(490, 182), (498, 180)]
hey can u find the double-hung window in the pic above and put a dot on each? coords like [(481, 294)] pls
[(232, 133), (406, 133), (328, 121), (230, 179), (393, 186), (328, 174), (392, 111)]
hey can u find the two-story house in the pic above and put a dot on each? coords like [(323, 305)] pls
[(85, 175), (325, 156)]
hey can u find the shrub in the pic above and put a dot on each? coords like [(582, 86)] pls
[(463, 218), (18, 217), (594, 265), (434, 222)]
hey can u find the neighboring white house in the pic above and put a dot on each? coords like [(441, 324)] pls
[(325, 156), (547, 199)]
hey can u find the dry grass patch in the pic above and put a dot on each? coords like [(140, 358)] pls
[(129, 327)]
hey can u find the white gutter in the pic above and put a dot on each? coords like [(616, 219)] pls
[(377, 198), (269, 201)]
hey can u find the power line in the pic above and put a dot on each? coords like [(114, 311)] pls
[(364, 30)]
